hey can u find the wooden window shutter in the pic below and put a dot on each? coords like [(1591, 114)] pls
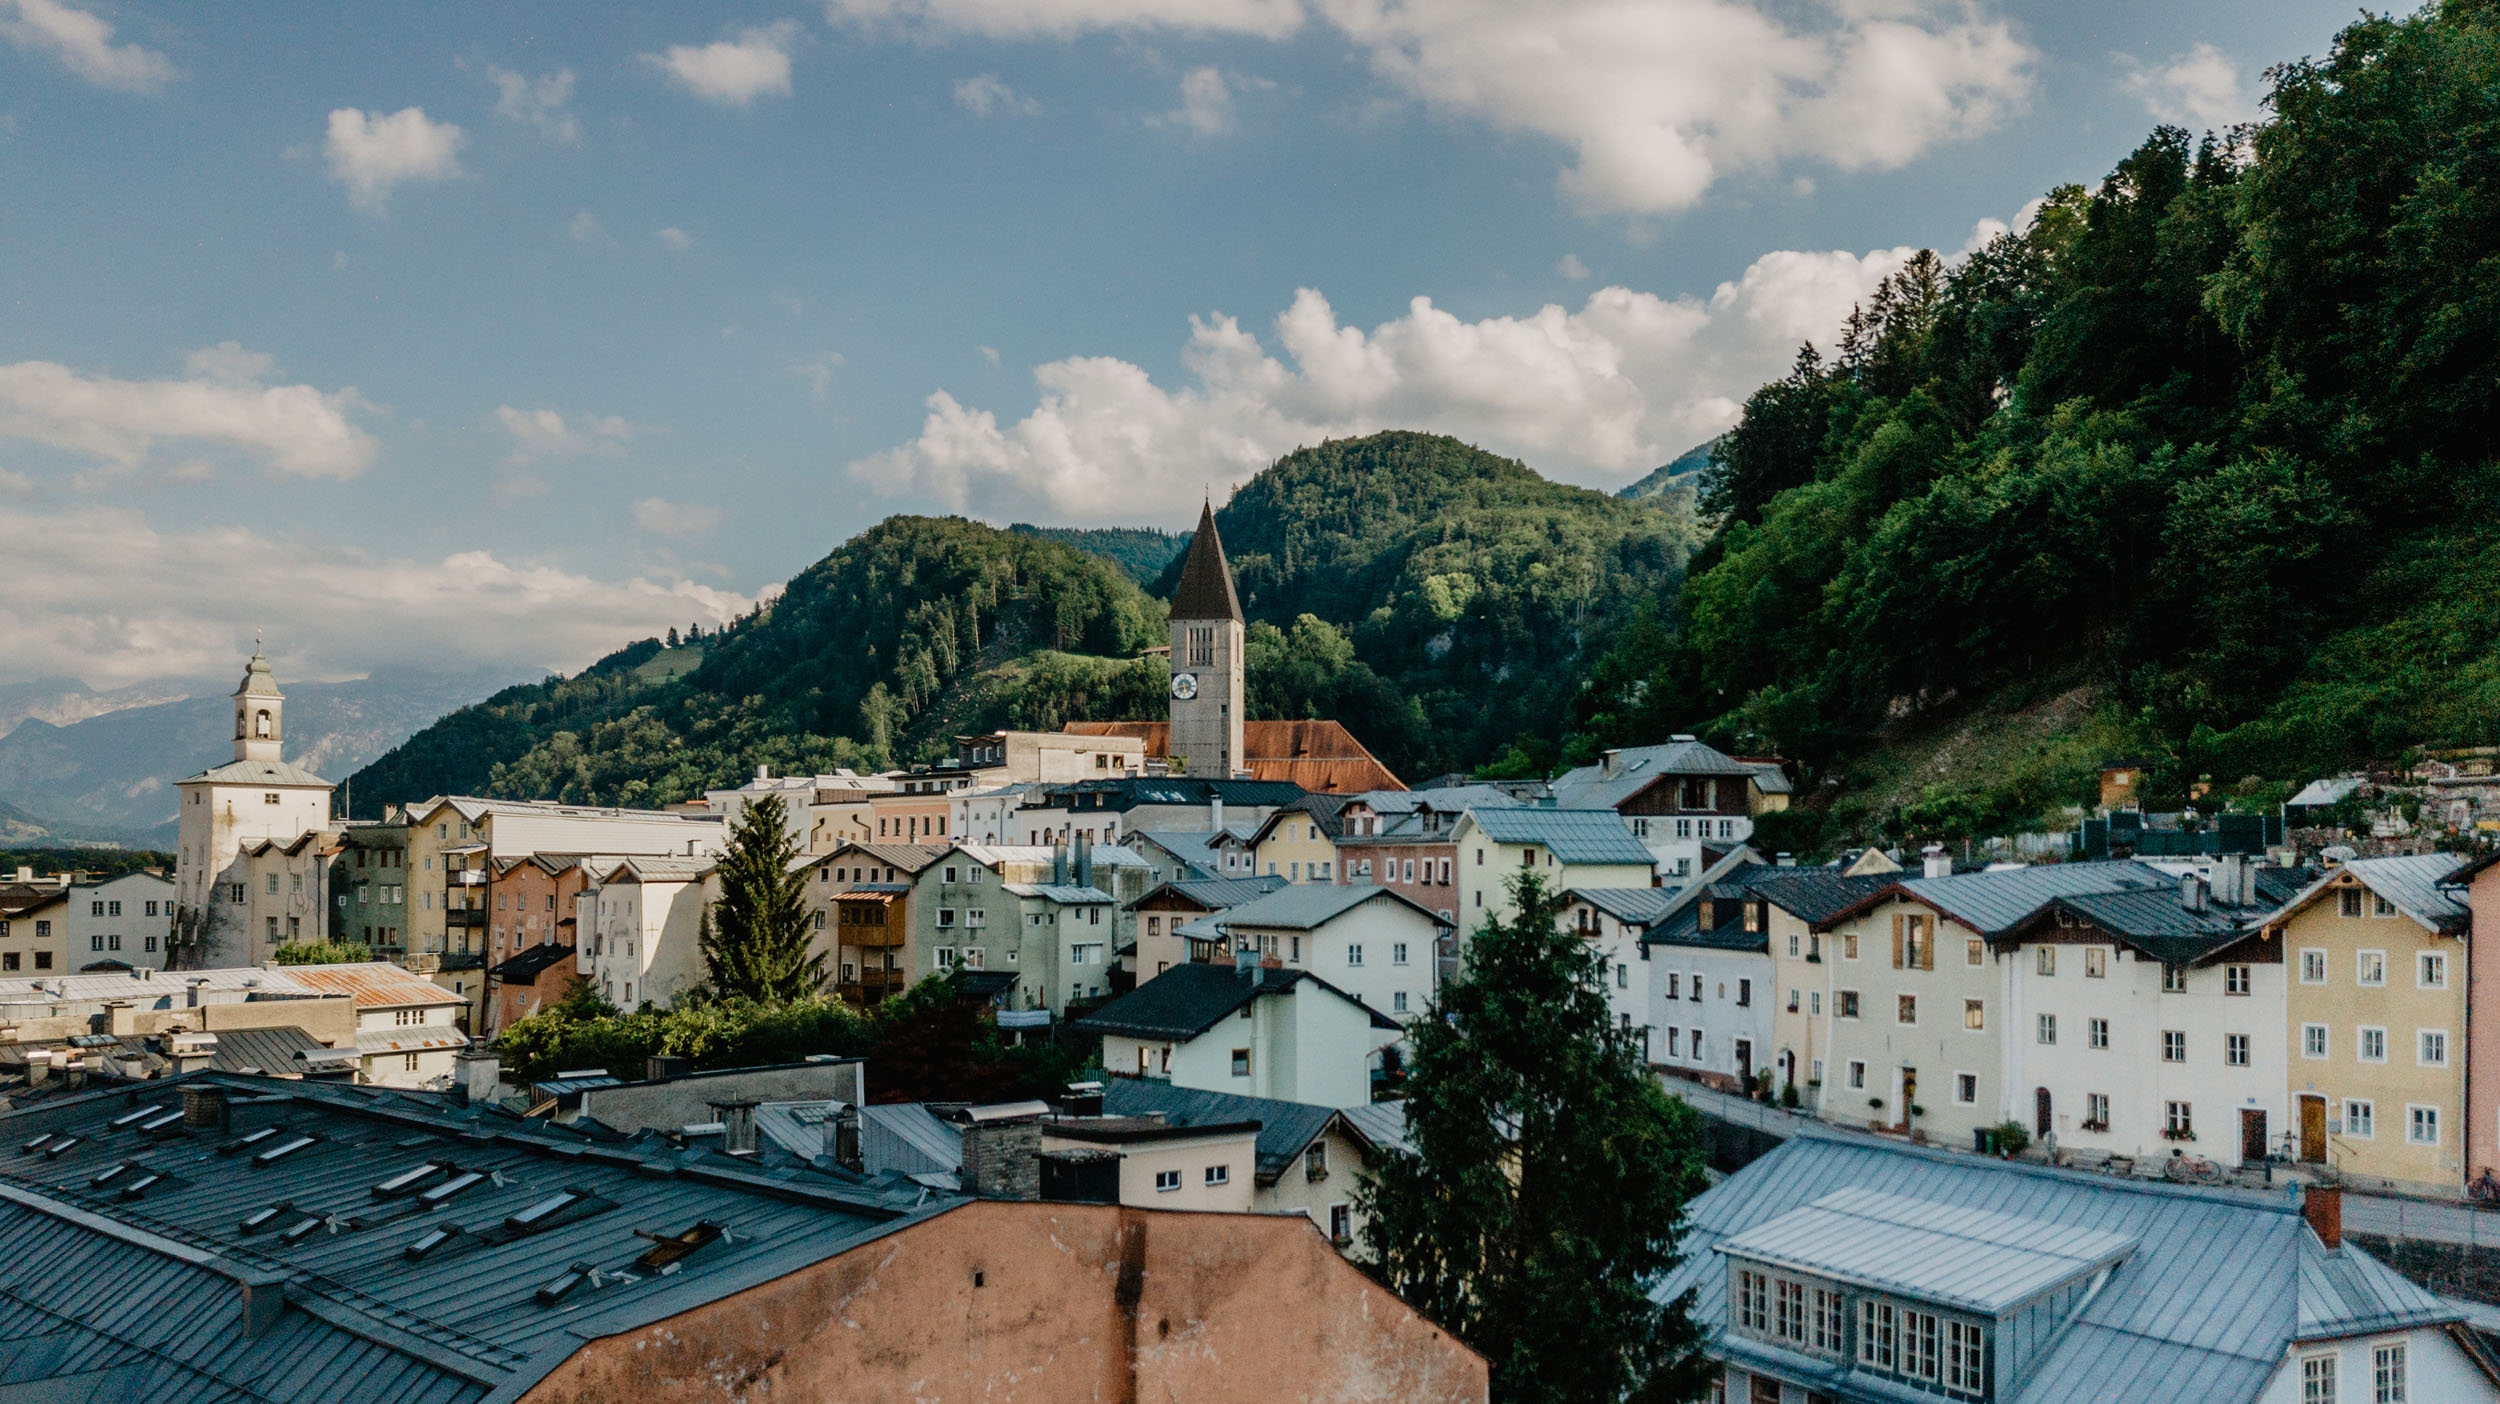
[(1896, 940), (1927, 948)]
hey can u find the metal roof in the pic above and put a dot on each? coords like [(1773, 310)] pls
[(1381, 1123), (910, 1139), (251, 772), (1216, 893), (269, 1050), (409, 1038), (532, 962), (1815, 894), (1205, 590), (1065, 894), (1187, 1000), (1307, 906), (1994, 902), (151, 1286), (1626, 772), (2156, 923), (2324, 792), (1637, 905), (372, 984), (2218, 1287), (2412, 883), (1976, 1259), (1574, 835), (1285, 1128)]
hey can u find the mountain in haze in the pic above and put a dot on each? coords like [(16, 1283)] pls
[(1440, 600), (111, 776), (1679, 476), (62, 701)]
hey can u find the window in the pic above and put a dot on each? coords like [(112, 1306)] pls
[(1907, 1010), (2095, 963), (2313, 1040), (1849, 945), (2421, 1125), (95, 909), (1965, 1357), (2174, 979), (2096, 1033), (1974, 953), (2048, 1029), (2045, 960), (1857, 1075), (1814, 1003), (1847, 1007), (1623, 976), (273, 884), (1921, 1335), (2431, 1048), (2371, 1047), (1788, 1310), (1831, 1328), (2382, 907), (2348, 902), (2387, 1374), (1397, 1002), (1744, 992), (2235, 979), (8, 960), (2370, 967), (1397, 953), (2313, 967), (1241, 1060), (1697, 1054), (2317, 1376), (1219, 1175), (1974, 1014), (43, 959), (2179, 1119), (1913, 952), (2361, 1120), (1753, 1300), (2430, 971), (96, 943), (2096, 1111), (1876, 1334), (1354, 954), (2235, 1050), (1675, 986), (1966, 1088), (1675, 1042), (2173, 1045), (1696, 988), (1167, 1180)]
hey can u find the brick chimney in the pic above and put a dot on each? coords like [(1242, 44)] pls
[(737, 1122), (2323, 1206), (1002, 1159)]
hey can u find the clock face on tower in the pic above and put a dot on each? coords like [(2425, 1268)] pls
[(1184, 685)]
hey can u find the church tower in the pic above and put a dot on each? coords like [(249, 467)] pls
[(1207, 663), (258, 710), (227, 912)]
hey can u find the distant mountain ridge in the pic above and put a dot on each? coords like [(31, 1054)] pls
[(1680, 475), (1140, 552)]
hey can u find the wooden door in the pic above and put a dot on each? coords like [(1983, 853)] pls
[(2313, 1130), (2252, 1136), (1909, 1096), (2042, 1124)]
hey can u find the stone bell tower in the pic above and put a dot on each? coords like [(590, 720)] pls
[(1207, 662)]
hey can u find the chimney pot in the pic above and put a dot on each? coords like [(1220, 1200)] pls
[(2323, 1207), (204, 1108), (737, 1119)]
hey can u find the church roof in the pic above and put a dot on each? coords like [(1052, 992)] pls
[(1206, 588), (257, 681), (254, 772), (1320, 756)]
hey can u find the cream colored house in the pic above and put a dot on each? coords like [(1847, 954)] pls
[(1284, 1034), (1309, 1159), (255, 798), (2374, 955), (1298, 842), (1796, 903), (1211, 1167), (1566, 848), (408, 1030), (639, 927)]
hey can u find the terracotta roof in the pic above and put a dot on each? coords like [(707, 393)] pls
[(372, 984), (1206, 588), (1320, 756)]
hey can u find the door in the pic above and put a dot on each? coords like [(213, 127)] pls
[(2313, 1130), (1909, 1097), (1744, 1062), (2252, 1136), (2041, 1123)]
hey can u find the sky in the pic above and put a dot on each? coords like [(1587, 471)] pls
[(468, 336)]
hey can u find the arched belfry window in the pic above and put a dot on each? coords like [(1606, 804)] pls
[(260, 725), (238, 723)]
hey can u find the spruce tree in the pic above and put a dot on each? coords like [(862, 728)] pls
[(1544, 1195), (755, 938)]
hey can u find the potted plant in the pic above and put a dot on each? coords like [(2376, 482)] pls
[(2012, 1138), (1875, 1104)]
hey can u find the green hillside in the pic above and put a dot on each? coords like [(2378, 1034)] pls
[(1678, 476), (1140, 552), (2206, 451)]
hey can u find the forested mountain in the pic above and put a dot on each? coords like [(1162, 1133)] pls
[(1141, 552), (2211, 442), (1680, 474)]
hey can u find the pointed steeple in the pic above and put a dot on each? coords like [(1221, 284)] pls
[(1206, 588)]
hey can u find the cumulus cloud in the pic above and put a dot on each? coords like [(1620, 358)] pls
[(370, 153), (540, 102), (101, 593), (983, 94), (661, 517), (220, 404), (83, 44), (1600, 393), (1207, 101), (1059, 19), (1655, 101), (733, 72), (544, 433), (675, 240), (2198, 88)]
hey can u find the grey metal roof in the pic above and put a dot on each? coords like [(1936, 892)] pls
[(1285, 1128), (2412, 883), (2218, 1287), (1187, 1000), (1639, 905), (1976, 1259), (1216, 893), (1441, 799), (1381, 1123), (2324, 792), (1065, 894), (151, 1286), (270, 1050), (1682, 925), (249, 772), (1627, 772), (1994, 902), (1574, 835), (910, 1139), (1815, 894), (1306, 906)]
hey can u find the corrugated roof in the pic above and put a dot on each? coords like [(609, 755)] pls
[(662, 868), (268, 1050), (909, 1139), (2156, 922), (1995, 902), (409, 1038), (251, 772), (1285, 1128), (1574, 835), (1638, 905), (532, 962), (1976, 1259), (2202, 1311), (1306, 906), (1065, 894), (1309, 755), (1187, 1000), (2324, 792), (2412, 883), (1626, 772), (1815, 895), (1215, 893), (1381, 1123), (908, 857), (372, 984)]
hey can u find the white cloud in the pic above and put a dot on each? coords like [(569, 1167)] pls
[(1655, 99), (84, 45), (1598, 394), (818, 371), (1059, 19), (370, 153), (293, 429), (585, 229), (675, 240), (989, 356), (1571, 267), (661, 517), (1206, 102), (733, 72), (100, 593), (540, 102), (543, 433), (983, 94), (2200, 88)]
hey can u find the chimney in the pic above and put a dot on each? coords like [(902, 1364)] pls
[(2232, 881), (191, 993), (1085, 860), (842, 1135), (192, 1051), (204, 1108), (1215, 814), (1785, 860), (2191, 892), (1936, 862), (1610, 764), (737, 1121), (1002, 1159), (663, 1068), (1083, 1099), (120, 1018), (25, 874), (763, 773), (1058, 862), (479, 1075), (264, 1299), (38, 1066), (2323, 1207)]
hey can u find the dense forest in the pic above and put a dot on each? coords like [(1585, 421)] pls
[(2211, 442), (1140, 552)]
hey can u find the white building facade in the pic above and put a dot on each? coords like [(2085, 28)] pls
[(255, 797)]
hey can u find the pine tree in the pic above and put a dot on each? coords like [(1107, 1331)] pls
[(755, 939), (1545, 1193)]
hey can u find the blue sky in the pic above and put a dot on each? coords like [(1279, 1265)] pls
[(456, 336)]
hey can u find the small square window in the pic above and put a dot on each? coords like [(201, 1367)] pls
[(2095, 963), (2174, 1045), (1906, 1011), (2236, 979), (2370, 967), (2313, 967), (2313, 1040), (1167, 1181), (2361, 1120), (2371, 1046), (1219, 1175), (2096, 1032), (2430, 970), (2422, 1125), (1966, 1088), (2235, 1050)]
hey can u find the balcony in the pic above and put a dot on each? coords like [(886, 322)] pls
[(430, 962), (467, 877), (465, 919), (874, 938)]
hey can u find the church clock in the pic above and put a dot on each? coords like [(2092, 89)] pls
[(1184, 685)]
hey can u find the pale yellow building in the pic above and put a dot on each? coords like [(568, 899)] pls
[(1794, 901), (2375, 958), (1298, 843)]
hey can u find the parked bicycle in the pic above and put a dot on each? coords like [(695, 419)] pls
[(2191, 1169)]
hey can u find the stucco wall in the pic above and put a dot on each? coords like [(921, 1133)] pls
[(1074, 1303)]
